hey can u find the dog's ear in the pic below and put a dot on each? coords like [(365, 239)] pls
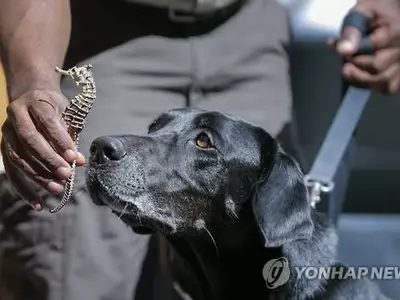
[(280, 202)]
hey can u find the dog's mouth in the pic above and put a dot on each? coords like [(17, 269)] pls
[(142, 220), (119, 205), (142, 208)]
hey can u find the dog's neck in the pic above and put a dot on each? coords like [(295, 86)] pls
[(234, 270), (224, 264)]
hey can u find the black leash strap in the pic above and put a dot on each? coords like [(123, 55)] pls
[(320, 177)]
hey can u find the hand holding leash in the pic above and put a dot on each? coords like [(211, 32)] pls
[(378, 69)]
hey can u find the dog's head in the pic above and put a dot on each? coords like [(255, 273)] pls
[(199, 169)]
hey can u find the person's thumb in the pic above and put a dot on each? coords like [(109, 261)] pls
[(349, 41)]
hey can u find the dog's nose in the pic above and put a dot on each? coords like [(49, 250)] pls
[(104, 149)]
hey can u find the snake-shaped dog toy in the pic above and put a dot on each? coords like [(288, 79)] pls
[(75, 116)]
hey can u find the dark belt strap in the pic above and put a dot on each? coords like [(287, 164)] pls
[(320, 177)]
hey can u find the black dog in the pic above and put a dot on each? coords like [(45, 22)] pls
[(228, 199)]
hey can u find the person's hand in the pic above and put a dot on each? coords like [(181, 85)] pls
[(380, 71), (36, 145)]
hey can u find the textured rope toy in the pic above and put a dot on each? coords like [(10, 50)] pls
[(75, 116)]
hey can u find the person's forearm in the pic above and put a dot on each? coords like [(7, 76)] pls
[(34, 37)]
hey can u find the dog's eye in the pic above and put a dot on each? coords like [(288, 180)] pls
[(203, 141)]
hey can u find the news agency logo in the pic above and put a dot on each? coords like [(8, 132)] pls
[(276, 272)]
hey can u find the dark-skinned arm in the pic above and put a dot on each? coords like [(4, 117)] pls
[(34, 37)]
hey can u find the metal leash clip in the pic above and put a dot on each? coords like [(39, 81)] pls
[(315, 187)]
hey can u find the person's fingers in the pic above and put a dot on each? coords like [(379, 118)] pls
[(349, 42), (19, 158), (394, 84), (80, 160), (382, 37), (29, 136), (48, 119), (22, 185), (385, 26), (386, 81), (377, 63), (354, 75)]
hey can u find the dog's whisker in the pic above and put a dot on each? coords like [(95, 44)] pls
[(235, 215), (139, 218), (212, 239), (123, 211)]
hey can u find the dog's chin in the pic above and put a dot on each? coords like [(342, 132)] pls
[(133, 223), (130, 215), (124, 207), (124, 210)]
